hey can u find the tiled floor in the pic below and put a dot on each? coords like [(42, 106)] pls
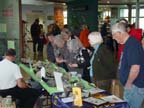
[(36, 56)]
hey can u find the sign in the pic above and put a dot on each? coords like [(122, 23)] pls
[(58, 79), (11, 44), (3, 28), (7, 12), (77, 96)]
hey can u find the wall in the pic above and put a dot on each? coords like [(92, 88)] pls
[(83, 11), (44, 12), (9, 25), (58, 15)]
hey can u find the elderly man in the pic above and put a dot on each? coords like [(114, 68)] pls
[(11, 82), (131, 66)]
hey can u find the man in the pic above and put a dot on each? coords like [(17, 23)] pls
[(131, 66), (136, 33), (35, 32), (1, 58), (11, 82)]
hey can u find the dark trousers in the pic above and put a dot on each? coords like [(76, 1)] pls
[(104, 84), (86, 75), (27, 97), (35, 42), (40, 45)]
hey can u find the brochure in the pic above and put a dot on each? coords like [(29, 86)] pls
[(95, 101), (112, 99)]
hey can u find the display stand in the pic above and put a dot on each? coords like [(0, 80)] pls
[(57, 95)]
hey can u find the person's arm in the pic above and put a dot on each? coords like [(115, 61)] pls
[(19, 78), (60, 60), (86, 62), (21, 83), (134, 71), (86, 57), (50, 53), (73, 65)]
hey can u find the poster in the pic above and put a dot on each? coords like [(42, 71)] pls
[(11, 44), (3, 28)]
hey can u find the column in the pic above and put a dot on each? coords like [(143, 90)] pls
[(129, 12), (137, 14)]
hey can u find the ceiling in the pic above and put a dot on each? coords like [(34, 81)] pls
[(120, 2), (102, 2)]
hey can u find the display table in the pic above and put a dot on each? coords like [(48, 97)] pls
[(30, 72), (57, 103), (49, 89), (57, 100), (87, 105)]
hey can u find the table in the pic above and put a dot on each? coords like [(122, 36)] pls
[(87, 105), (57, 103), (30, 72)]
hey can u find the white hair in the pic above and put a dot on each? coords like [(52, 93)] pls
[(95, 38), (58, 39), (119, 27), (65, 31), (74, 44)]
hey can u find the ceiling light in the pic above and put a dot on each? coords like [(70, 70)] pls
[(108, 1)]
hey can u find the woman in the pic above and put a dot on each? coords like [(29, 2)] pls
[(61, 52), (50, 47), (102, 69), (82, 58), (72, 43)]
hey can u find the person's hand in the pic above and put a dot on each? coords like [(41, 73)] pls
[(60, 60), (27, 85), (128, 86), (73, 65)]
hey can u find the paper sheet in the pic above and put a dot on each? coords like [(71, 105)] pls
[(3, 28), (67, 99), (43, 72), (112, 99), (58, 80), (94, 90), (94, 101), (11, 44)]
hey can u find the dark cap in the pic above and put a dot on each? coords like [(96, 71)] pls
[(10, 52)]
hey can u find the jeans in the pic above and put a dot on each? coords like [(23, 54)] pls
[(134, 97)]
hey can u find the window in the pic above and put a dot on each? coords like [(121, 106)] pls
[(124, 14), (65, 16), (141, 12)]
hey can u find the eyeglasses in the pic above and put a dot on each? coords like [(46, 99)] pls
[(115, 34)]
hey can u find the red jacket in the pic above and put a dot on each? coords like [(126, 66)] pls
[(84, 38)]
